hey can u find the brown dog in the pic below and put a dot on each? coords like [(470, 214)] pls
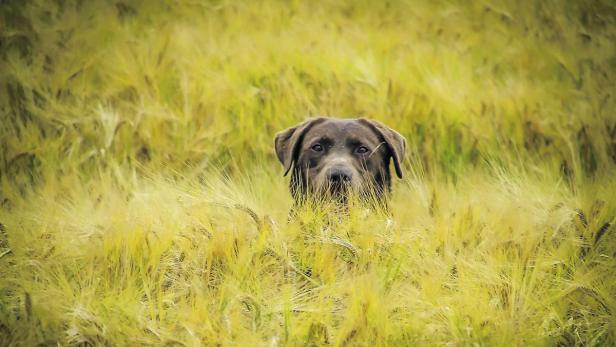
[(332, 156)]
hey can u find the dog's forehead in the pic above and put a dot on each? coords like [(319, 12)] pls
[(343, 129)]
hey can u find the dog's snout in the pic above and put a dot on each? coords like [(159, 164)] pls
[(340, 175)]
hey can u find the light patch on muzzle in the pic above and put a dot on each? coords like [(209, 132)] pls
[(338, 176)]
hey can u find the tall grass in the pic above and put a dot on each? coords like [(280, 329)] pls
[(141, 201)]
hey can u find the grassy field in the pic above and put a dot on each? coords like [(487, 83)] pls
[(141, 202)]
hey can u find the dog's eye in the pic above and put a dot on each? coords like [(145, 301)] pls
[(317, 148), (361, 150)]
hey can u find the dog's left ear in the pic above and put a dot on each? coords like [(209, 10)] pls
[(395, 142), (287, 142)]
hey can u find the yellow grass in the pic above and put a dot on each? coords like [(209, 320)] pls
[(141, 202)]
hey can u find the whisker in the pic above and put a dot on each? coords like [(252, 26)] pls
[(375, 149)]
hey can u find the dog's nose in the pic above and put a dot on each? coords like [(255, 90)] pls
[(340, 175)]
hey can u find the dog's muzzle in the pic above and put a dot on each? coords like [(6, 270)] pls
[(339, 179)]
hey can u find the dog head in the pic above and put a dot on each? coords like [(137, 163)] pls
[(331, 156)]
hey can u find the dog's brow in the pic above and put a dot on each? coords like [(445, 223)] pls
[(323, 139), (354, 141)]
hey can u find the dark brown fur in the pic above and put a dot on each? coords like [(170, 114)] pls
[(330, 156)]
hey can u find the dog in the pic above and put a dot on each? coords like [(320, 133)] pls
[(331, 158)]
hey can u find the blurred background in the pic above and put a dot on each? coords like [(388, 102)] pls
[(88, 84)]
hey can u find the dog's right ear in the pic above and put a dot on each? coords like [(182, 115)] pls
[(287, 142), (395, 142)]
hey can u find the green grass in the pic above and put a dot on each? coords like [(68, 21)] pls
[(141, 201)]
